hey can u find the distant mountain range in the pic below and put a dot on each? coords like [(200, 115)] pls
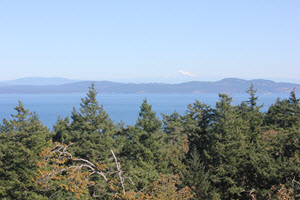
[(37, 85), (38, 81)]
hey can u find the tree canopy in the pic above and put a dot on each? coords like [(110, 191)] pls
[(209, 152)]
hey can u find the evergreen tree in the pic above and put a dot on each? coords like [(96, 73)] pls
[(152, 137), (253, 115), (197, 124), (139, 159), (228, 152), (21, 139), (145, 153), (92, 133), (91, 129), (284, 113), (147, 120), (62, 130), (281, 141), (196, 177), (91, 116), (177, 141), (252, 99), (295, 107)]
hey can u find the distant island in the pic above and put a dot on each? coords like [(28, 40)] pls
[(38, 85), (38, 81)]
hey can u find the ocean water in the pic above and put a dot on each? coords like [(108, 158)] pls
[(123, 107)]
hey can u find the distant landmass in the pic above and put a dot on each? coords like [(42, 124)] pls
[(61, 85), (38, 81)]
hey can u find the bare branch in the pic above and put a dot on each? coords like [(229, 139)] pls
[(294, 181), (61, 150), (118, 165), (58, 155), (84, 160), (130, 180), (252, 194)]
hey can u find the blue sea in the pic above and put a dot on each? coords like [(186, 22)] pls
[(123, 107)]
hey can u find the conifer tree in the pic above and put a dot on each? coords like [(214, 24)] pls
[(91, 128), (284, 113), (295, 108), (147, 120), (177, 141), (138, 158), (152, 137), (145, 152), (91, 116), (21, 139), (281, 141), (253, 115), (197, 124), (228, 152), (92, 133), (196, 177), (61, 130)]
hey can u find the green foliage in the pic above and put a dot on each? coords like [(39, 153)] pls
[(221, 152), (253, 115), (284, 113), (147, 120), (197, 124), (92, 133), (228, 151), (196, 177), (177, 141), (145, 153), (21, 140), (61, 130)]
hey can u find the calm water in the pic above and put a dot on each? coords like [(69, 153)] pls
[(123, 107)]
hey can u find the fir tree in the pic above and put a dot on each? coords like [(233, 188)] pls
[(197, 124), (21, 139), (91, 129), (228, 152), (253, 115), (92, 134), (145, 152), (177, 141), (196, 177), (61, 130), (284, 113), (147, 120)]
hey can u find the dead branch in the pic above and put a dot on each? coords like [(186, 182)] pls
[(294, 181), (118, 165), (59, 155), (252, 194)]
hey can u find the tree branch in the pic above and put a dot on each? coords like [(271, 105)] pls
[(60, 155)]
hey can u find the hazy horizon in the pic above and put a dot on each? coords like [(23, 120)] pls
[(35, 78)]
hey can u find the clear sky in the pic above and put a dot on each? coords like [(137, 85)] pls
[(145, 41)]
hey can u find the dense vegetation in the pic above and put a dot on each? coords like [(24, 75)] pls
[(226, 152)]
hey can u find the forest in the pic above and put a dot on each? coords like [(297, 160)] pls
[(222, 152)]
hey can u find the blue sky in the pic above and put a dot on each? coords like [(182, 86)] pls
[(146, 41)]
